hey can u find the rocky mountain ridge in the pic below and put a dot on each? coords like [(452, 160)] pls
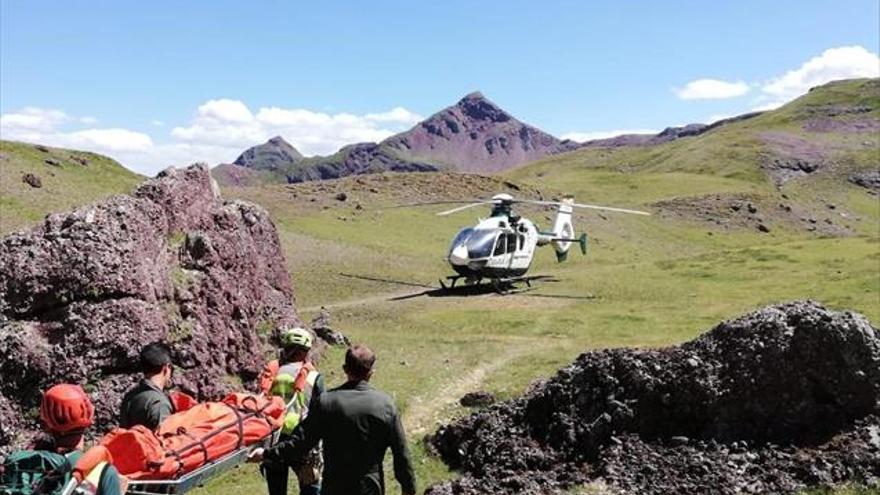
[(474, 135)]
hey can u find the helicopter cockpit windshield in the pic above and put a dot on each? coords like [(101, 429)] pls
[(481, 242)]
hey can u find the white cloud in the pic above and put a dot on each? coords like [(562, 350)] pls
[(219, 131), (396, 114), (225, 110), (230, 122), (582, 137), (107, 139), (33, 119), (845, 62), (711, 89)]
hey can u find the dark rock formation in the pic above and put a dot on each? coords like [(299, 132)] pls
[(869, 179), (81, 293), (32, 180), (356, 159), (787, 156), (780, 399), (477, 399), (271, 155), (321, 326)]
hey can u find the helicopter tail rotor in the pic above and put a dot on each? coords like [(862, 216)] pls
[(563, 228)]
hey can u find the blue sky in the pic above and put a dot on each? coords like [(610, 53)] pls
[(155, 83)]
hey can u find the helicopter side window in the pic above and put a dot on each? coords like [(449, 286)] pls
[(522, 242), (500, 246), (511, 242)]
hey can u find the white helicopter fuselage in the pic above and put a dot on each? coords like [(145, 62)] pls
[(494, 248), (503, 246)]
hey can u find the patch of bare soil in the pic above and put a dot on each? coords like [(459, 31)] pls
[(827, 124), (743, 211), (790, 157), (401, 187)]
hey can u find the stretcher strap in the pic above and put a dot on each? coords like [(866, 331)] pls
[(258, 412), (239, 421), (200, 442)]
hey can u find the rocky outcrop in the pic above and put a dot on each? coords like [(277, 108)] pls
[(81, 293), (780, 399), (869, 179)]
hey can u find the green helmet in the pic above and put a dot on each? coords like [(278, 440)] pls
[(296, 336)]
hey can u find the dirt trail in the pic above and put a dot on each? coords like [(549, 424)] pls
[(423, 413), (360, 301)]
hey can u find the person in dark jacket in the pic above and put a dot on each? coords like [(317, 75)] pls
[(147, 403), (358, 424)]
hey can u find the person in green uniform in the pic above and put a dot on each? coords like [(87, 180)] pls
[(66, 412), (357, 424), (147, 403)]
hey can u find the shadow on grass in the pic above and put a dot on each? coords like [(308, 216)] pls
[(508, 288)]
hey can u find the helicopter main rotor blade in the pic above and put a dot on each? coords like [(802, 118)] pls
[(580, 205), (445, 202), (465, 207)]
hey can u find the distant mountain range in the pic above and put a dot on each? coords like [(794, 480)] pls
[(474, 135)]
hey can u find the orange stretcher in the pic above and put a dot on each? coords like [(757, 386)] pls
[(205, 437)]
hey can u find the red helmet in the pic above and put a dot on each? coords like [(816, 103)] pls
[(66, 408)]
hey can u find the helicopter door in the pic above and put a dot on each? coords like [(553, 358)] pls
[(522, 257)]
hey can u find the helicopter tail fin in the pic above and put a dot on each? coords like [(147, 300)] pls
[(563, 229)]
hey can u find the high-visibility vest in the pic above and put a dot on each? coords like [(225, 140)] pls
[(295, 383)]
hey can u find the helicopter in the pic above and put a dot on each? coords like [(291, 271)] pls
[(501, 248)]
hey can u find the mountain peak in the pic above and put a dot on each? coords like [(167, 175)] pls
[(279, 141), (474, 135), (475, 95), (475, 106), (270, 155)]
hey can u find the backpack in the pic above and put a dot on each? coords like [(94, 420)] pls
[(34, 472)]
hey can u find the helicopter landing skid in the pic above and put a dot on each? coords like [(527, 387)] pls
[(502, 286), (452, 279)]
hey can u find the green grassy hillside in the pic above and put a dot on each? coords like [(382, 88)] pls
[(738, 149), (68, 179)]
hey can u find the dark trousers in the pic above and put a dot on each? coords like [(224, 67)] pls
[(276, 478)]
